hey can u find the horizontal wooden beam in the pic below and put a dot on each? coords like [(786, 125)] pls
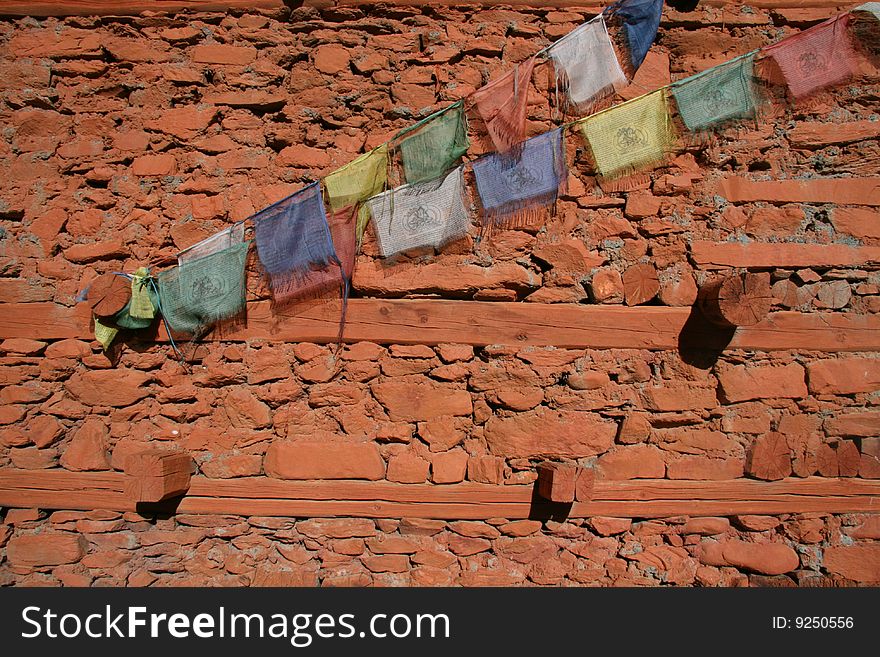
[(122, 8), (649, 498), (480, 323), (782, 255)]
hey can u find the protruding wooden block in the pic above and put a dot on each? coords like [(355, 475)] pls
[(736, 300), (584, 484), (557, 481), (640, 284), (156, 475)]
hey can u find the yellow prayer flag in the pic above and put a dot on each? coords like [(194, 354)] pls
[(630, 136), (104, 334), (356, 182), (141, 307)]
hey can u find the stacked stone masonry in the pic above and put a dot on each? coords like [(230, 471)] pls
[(128, 138)]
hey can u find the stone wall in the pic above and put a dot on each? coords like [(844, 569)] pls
[(126, 139)]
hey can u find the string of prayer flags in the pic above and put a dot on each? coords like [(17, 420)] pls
[(641, 19), (438, 145), (223, 240), (293, 238), (630, 136), (717, 95), (815, 58), (502, 105), (515, 187), (198, 294), (586, 65), (420, 214), (356, 182)]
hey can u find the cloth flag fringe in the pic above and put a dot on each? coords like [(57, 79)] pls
[(720, 94), (198, 294), (428, 214), (293, 239), (515, 188), (586, 65), (438, 145), (630, 136), (502, 105), (227, 237), (816, 58), (356, 182)]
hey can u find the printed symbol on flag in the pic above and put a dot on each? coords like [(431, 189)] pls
[(628, 138), (520, 177), (206, 287), (717, 101), (812, 62), (422, 217)]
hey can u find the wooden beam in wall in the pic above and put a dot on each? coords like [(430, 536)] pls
[(480, 323), (647, 498), (122, 8)]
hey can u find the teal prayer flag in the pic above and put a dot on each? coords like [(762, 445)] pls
[(720, 94)]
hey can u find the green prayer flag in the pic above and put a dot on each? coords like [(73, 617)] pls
[(436, 147), (199, 293), (720, 94)]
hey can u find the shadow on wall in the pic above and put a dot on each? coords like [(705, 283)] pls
[(543, 509), (702, 342)]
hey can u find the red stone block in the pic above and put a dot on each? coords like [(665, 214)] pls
[(632, 462), (552, 434), (844, 376), (860, 563), (84, 253), (116, 388), (449, 467), (87, 449), (161, 164), (703, 467), (407, 468), (324, 460), (745, 382), (486, 469), (45, 549), (417, 399), (300, 156), (217, 53)]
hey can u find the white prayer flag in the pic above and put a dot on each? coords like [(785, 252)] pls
[(226, 238), (586, 64), (419, 215)]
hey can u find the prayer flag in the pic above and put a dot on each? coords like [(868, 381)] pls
[(515, 187), (421, 214), (635, 134)]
